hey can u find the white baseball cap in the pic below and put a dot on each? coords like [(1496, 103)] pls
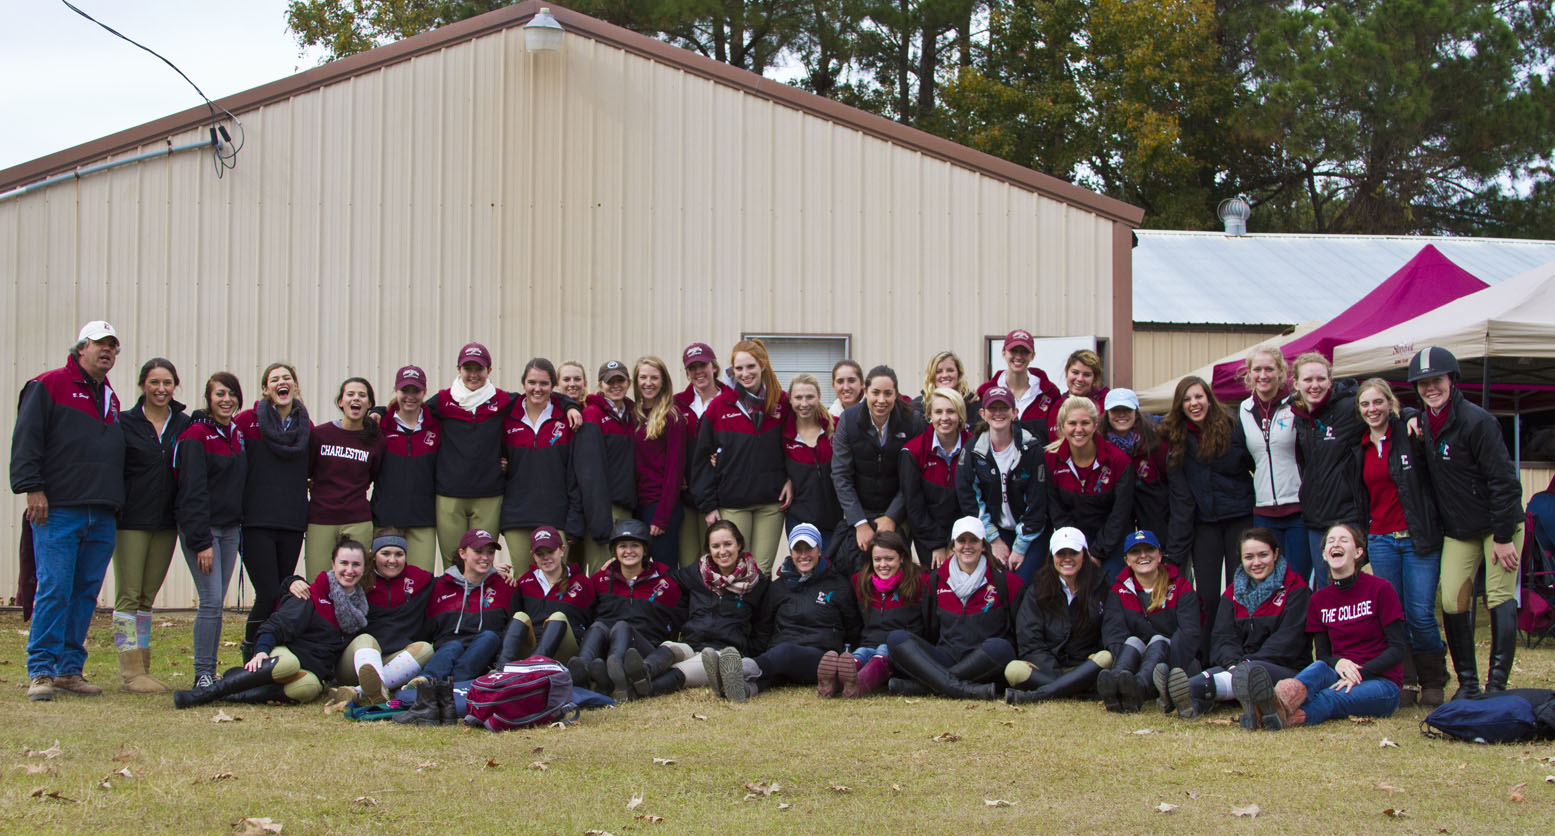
[(1067, 537), (97, 329), (968, 525), (1122, 397), (804, 533)]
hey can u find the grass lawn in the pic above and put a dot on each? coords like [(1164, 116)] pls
[(134, 764)]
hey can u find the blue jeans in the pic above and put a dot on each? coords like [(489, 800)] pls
[(1293, 541), (465, 658), (1371, 698), (1319, 565), (1414, 578), (864, 654), (71, 551), (212, 591)]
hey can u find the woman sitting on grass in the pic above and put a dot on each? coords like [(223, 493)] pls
[(809, 610), (1357, 627), (635, 601), (1058, 626), (301, 641), (1260, 634), (555, 594), (397, 595), (972, 604), (1151, 623), (890, 598)]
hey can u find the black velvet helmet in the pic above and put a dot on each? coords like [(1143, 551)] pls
[(1431, 361), (629, 529)]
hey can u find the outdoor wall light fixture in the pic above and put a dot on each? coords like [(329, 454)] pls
[(542, 33)]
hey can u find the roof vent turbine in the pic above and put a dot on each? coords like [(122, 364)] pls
[(1234, 212)]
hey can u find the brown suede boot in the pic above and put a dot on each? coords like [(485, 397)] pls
[(146, 683), (76, 684)]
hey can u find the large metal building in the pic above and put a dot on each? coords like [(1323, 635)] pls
[(616, 198)]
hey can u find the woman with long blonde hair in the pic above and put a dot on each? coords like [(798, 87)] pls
[(945, 370), (1090, 482), (659, 451)]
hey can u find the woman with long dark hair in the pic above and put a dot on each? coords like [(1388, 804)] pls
[(541, 484), (1211, 489), (275, 436), (1058, 626), (866, 463), (890, 593), (1126, 428), (345, 456), (147, 530), (738, 469), (211, 472)]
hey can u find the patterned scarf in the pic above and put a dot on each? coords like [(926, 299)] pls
[(737, 582), (1251, 595), (350, 607)]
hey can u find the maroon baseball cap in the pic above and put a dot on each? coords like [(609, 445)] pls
[(697, 353), (410, 376), (478, 538), (998, 394), (474, 353), (611, 370), (1019, 338), (545, 537)]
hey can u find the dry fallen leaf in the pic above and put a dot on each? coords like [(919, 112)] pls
[(1233, 772), (1363, 721), (1386, 743), (784, 805), (763, 788), (47, 754), (1549, 779), (229, 644), (997, 802), (46, 795), (336, 706), (840, 788), (1010, 723), (224, 776), (1163, 807), (1191, 794), (365, 801), (557, 725), (256, 827), (1250, 811), (1392, 813), (540, 765), (699, 716), (1220, 721), (124, 756), (224, 717), (537, 750), (652, 819), (426, 765), (35, 768), (896, 788), (597, 833), (663, 761), (912, 702), (1143, 731), (491, 763), (635, 802), (1516, 793), (946, 737)]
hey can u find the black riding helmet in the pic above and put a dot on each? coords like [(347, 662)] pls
[(1431, 361), (629, 529)]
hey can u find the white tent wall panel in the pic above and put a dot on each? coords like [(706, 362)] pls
[(589, 205)]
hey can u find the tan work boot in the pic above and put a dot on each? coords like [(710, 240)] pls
[(41, 688), (76, 684)]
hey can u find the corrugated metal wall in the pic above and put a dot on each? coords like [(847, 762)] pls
[(1162, 355), (592, 204)]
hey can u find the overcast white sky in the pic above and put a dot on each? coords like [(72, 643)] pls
[(66, 81)]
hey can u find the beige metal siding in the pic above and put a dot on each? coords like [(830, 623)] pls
[(593, 204), (1162, 355)]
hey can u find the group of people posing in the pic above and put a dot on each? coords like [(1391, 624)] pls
[(966, 541)]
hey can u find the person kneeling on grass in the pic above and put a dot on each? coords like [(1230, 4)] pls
[(555, 594), (1357, 627), (890, 598), (972, 605), (299, 643), (635, 601), (1150, 625), (397, 595), (809, 610), (1058, 625), (1260, 634)]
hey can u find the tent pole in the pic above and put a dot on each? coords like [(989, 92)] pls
[(1517, 431), (1484, 382)]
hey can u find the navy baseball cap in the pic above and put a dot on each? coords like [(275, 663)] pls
[(1140, 538)]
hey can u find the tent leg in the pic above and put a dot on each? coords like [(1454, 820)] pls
[(1484, 383), (1517, 431)]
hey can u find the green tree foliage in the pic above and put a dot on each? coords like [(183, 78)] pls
[(346, 27)]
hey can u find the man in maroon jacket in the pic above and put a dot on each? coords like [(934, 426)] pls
[(67, 456)]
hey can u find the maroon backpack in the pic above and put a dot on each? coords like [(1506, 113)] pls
[(534, 692)]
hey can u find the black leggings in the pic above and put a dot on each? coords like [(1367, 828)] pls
[(269, 557), (1215, 550), (788, 662)]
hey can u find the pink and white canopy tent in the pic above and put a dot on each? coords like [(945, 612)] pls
[(1427, 282)]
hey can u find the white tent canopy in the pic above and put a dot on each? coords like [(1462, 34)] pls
[(1512, 323), (1158, 399)]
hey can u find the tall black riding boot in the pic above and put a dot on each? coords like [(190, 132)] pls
[(1503, 645), (425, 711), (593, 644), (977, 667), (667, 682), (1076, 681), (1116, 686), (1459, 630), (1154, 662), (610, 670), (912, 659), (551, 636), (642, 670), (275, 692), (517, 643), (233, 684)]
